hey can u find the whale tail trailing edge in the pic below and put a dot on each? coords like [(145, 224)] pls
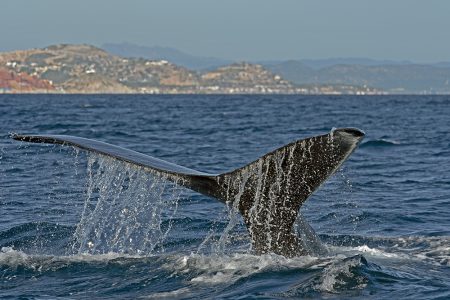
[(267, 192)]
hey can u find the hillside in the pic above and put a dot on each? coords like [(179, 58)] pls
[(84, 68), (88, 69), (10, 80)]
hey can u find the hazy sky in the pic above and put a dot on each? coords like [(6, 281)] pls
[(417, 30)]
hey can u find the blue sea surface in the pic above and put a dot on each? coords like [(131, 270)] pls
[(75, 225)]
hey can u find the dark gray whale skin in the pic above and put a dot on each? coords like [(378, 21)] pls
[(268, 192)]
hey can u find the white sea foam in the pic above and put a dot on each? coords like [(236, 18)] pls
[(175, 294), (438, 250), (198, 269), (214, 269), (332, 273), (433, 250), (373, 251), (13, 259)]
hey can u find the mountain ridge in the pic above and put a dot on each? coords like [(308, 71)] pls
[(165, 53), (402, 78), (388, 75)]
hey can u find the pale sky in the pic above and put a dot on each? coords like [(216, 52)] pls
[(416, 30)]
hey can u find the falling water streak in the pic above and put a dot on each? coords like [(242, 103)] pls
[(308, 237), (346, 195), (233, 214), (267, 179), (127, 209), (79, 234), (275, 190), (123, 200)]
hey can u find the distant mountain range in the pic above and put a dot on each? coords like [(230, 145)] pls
[(201, 63), (165, 53), (388, 75), (393, 78)]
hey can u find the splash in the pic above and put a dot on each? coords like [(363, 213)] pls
[(127, 209), (343, 275)]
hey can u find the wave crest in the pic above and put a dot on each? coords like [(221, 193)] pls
[(379, 143)]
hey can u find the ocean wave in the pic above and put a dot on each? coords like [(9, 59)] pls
[(343, 275), (340, 276), (181, 293), (49, 236), (12, 259), (344, 270), (215, 269), (379, 143), (434, 250)]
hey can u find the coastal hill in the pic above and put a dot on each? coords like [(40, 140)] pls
[(88, 69)]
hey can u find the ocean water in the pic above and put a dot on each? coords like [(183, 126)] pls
[(75, 225)]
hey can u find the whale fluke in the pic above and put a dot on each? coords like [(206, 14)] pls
[(268, 192)]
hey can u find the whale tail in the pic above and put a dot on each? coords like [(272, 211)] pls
[(267, 192)]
